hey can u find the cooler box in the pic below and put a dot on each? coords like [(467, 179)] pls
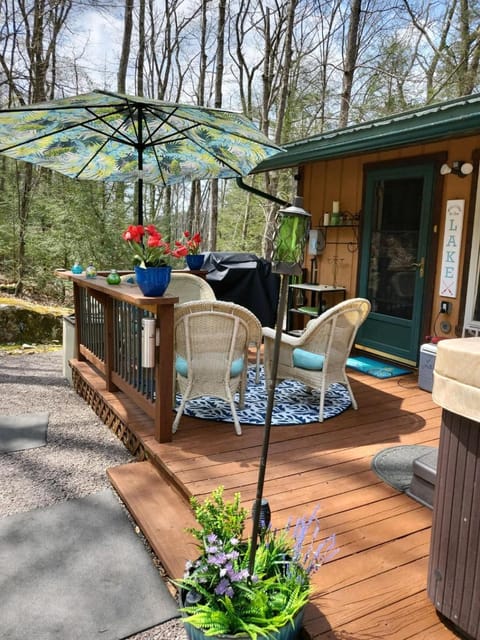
[(428, 353)]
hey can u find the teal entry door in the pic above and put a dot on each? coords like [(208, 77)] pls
[(397, 214)]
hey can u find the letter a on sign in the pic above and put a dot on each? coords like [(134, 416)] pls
[(452, 240)]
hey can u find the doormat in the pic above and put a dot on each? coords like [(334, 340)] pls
[(376, 368), (78, 570), (394, 465), (26, 431), (294, 403)]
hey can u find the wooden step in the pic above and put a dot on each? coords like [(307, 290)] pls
[(161, 512)]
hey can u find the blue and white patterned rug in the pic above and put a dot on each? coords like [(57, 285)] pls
[(294, 404)]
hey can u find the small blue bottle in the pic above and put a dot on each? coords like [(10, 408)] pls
[(77, 267)]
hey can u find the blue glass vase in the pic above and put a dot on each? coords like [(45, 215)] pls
[(194, 262), (153, 281)]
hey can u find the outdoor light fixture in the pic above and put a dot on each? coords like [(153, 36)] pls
[(458, 168), (289, 240), (265, 515)]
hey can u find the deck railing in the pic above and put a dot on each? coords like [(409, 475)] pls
[(108, 322)]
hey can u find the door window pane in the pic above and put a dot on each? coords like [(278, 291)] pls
[(394, 245)]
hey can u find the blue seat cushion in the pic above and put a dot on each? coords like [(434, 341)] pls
[(181, 367), (307, 360)]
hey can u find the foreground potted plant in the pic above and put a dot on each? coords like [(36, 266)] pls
[(219, 597), (150, 258), (189, 245)]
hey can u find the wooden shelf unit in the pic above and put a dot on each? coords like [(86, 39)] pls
[(313, 302)]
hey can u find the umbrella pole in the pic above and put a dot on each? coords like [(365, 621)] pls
[(140, 198), (268, 419), (140, 165)]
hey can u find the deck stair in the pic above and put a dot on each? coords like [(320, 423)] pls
[(160, 510)]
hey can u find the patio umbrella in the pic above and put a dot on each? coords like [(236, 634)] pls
[(119, 138)]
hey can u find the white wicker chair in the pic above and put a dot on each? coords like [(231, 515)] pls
[(211, 344), (187, 287), (255, 335), (318, 357)]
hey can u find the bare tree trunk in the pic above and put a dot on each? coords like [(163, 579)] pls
[(40, 39), (286, 68), (271, 179), (196, 194), (141, 48), (350, 63), (126, 44), (213, 221), (438, 50), (122, 73)]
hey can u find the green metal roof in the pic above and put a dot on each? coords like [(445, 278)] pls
[(434, 122)]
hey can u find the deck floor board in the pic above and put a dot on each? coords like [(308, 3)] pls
[(375, 587)]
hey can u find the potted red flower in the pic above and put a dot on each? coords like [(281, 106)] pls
[(150, 258), (189, 245)]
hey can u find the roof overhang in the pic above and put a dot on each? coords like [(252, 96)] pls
[(460, 117)]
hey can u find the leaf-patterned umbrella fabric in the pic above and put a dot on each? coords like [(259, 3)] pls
[(119, 138)]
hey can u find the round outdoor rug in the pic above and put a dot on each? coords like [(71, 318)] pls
[(294, 403), (394, 465)]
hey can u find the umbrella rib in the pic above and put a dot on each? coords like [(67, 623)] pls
[(86, 125), (212, 125), (172, 138), (152, 144), (120, 139), (183, 133)]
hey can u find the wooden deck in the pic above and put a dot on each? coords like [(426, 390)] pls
[(376, 586)]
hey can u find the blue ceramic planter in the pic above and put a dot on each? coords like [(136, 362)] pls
[(153, 281), (195, 262)]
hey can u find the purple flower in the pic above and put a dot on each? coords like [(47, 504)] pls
[(219, 559), (238, 576), (211, 548), (227, 569), (224, 588)]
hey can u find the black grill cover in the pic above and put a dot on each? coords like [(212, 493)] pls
[(245, 279)]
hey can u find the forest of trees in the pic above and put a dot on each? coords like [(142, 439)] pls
[(295, 67)]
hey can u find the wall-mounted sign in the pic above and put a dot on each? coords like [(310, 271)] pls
[(452, 241)]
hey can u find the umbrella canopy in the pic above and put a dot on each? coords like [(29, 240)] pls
[(118, 138)]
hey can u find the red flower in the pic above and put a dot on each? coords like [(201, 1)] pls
[(190, 243), (134, 233), (180, 250), (150, 251)]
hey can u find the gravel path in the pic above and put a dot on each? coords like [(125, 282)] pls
[(73, 463)]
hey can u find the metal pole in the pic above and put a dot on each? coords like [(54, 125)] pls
[(268, 419), (140, 166)]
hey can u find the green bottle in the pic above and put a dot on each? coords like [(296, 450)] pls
[(113, 277)]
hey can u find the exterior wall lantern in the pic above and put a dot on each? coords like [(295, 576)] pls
[(458, 168)]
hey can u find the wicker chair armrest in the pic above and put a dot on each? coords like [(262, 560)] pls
[(292, 341)]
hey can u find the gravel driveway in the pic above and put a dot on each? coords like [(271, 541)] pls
[(79, 449)]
